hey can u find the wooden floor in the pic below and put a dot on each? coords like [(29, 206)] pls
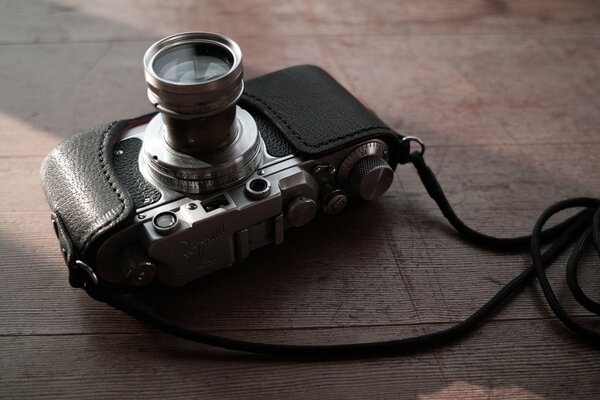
[(506, 95)]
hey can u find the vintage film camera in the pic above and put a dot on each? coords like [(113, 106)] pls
[(224, 168)]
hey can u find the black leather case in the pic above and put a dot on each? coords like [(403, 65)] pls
[(300, 110)]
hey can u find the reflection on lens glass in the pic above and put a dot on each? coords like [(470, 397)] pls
[(192, 63), (197, 69)]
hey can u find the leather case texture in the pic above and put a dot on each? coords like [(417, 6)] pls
[(300, 110), (82, 188), (311, 110)]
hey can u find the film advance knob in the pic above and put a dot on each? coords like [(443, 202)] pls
[(371, 177)]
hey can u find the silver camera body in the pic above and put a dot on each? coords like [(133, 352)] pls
[(182, 237)]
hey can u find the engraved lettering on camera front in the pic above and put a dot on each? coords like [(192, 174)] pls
[(194, 250)]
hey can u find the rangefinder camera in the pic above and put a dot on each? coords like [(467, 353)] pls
[(226, 166)]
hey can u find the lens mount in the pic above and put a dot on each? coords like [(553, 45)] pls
[(194, 74), (205, 174)]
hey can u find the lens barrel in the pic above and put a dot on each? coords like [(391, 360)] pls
[(202, 141), (195, 79)]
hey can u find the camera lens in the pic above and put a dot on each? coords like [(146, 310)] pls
[(195, 80), (202, 141)]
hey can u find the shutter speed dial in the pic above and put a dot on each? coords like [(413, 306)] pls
[(366, 171), (371, 177)]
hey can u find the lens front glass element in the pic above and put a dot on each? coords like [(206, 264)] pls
[(193, 63)]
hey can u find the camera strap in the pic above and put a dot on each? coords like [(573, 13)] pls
[(581, 229)]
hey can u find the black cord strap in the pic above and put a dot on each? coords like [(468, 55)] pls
[(538, 263), (583, 225)]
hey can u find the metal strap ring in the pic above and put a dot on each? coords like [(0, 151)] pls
[(408, 139)]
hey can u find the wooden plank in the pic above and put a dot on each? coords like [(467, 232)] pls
[(73, 21), (489, 364), (466, 90)]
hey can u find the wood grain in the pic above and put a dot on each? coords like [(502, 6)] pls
[(505, 95), (488, 362)]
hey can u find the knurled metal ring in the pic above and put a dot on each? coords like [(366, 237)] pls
[(408, 139)]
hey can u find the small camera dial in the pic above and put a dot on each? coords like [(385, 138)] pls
[(258, 188)]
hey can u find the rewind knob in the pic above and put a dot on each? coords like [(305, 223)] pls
[(371, 176)]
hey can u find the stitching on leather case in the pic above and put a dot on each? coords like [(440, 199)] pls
[(301, 139), (121, 208)]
